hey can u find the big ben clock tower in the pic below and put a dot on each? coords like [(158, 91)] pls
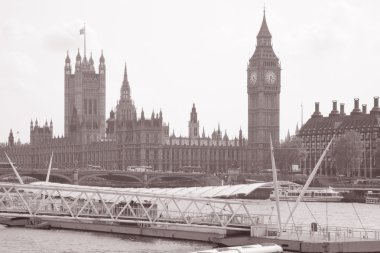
[(263, 87)]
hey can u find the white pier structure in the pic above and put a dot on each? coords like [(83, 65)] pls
[(193, 210), (195, 213)]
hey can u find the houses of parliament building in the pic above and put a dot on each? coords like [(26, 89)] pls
[(131, 138)]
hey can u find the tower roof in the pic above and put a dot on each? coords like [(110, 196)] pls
[(125, 90), (264, 49), (264, 31), (67, 60), (91, 61), (102, 60), (193, 114), (125, 72), (78, 58)]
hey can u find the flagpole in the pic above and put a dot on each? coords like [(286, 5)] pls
[(84, 39)]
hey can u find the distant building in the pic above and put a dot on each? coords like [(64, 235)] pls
[(11, 139), (130, 139), (319, 129)]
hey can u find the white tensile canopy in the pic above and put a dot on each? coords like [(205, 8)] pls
[(226, 191)]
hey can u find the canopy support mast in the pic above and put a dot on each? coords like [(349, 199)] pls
[(274, 171), (49, 169), (14, 169)]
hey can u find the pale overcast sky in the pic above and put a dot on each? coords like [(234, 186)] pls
[(180, 52)]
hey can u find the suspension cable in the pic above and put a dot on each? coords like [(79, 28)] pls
[(291, 216), (307, 206), (352, 204)]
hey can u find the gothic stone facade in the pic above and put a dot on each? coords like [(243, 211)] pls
[(125, 139), (85, 100), (130, 140)]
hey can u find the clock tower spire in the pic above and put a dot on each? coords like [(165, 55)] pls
[(263, 88), (264, 31)]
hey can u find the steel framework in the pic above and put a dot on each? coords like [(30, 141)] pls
[(126, 207)]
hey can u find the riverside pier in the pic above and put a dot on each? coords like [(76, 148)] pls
[(182, 213)]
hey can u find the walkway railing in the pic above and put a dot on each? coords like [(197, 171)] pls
[(330, 233)]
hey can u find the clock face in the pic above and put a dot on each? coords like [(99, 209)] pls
[(253, 77), (270, 77)]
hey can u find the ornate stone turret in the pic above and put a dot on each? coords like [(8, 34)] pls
[(11, 140), (102, 65), (125, 109), (67, 60), (152, 117), (91, 63), (67, 65), (142, 117), (78, 59), (225, 137), (110, 130), (41, 134), (125, 91), (193, 124)]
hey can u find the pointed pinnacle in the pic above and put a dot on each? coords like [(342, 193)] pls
[(125, 71)]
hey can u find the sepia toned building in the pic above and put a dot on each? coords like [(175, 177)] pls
[(85, 99), (318, 131), (128, 138), (263, 87)]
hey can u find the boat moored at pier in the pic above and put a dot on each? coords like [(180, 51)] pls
[(311, 195), (372, 198)]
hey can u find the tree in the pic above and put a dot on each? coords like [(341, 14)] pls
[(376, 156), (347, 152), (291, 151)]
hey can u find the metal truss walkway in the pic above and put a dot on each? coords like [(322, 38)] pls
[(126, 207)]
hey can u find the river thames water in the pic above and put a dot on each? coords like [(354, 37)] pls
[(16, 240)]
